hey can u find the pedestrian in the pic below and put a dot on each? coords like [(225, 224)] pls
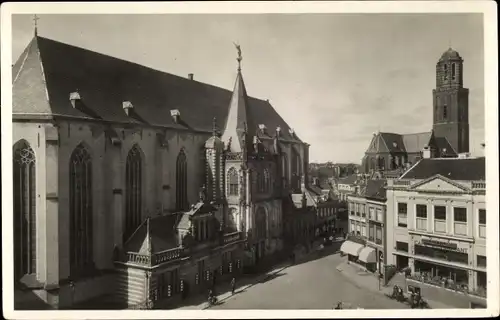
[(233, 285)]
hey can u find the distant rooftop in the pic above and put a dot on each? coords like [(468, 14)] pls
[(467, 169)]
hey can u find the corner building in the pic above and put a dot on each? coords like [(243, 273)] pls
[(436, 223), (128, 180)]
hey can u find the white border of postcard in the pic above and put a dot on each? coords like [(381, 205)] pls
[(488, 8)]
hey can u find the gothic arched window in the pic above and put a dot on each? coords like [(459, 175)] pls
[(181, 182), (261, 223), (284, 170), (24, 184), (80, 198), (267, 181), (232, 178), (133, 191)]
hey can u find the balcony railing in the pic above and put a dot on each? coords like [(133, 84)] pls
[(232, 237), (478, 185), (139, 258), (168, 255), (443, 283)]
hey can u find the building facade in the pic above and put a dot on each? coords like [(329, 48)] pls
[(367, 213), (101, 145), (437, 214)]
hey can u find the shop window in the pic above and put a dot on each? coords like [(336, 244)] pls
[(442, 254), (402, 215)]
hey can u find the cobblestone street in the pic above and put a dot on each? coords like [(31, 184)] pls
[(315, 284)]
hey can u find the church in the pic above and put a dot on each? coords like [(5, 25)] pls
[(139, 187), (392, 153)]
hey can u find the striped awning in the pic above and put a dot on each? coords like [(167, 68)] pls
[(368, 255), (351, 248)]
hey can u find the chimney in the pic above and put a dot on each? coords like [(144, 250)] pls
[(426, 152), (176, 115), (127, 107), (190, 76), (278, 131)]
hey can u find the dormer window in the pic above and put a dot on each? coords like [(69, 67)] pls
[(176, 115), (127, 107), (74, 98)]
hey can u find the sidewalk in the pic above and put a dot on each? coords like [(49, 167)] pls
[(366, 280), (226, 288)]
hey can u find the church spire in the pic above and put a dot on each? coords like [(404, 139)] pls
[(35, 20), (238, 124)]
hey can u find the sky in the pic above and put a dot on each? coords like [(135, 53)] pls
[(335, 78)]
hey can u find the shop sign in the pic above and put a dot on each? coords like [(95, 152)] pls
[(441, 245)]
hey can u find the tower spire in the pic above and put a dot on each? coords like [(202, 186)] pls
[(35, 19), (214, 126)]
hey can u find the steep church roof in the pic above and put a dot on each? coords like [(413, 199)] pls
[(415, 142), (238, 122), (49, 71), (154, 235)]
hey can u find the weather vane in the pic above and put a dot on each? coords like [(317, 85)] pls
[(238, 48), (35, 19)]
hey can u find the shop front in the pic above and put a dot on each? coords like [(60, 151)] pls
[(351, 249), (444, 268), (368, 258)]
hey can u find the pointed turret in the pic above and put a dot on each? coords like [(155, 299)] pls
[(238, 121)]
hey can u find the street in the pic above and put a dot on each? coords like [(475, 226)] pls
[(311, 285)]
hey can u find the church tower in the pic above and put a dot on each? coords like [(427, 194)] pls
[(451, 102)]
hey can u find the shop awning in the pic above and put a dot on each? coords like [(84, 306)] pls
[(351, 248), (368, 255)]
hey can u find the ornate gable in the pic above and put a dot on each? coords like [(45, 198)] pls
[(438, 184)]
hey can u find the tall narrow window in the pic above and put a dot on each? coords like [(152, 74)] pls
[(284, 170), (445, 69), (267, 181), (81, 250), (133, 191), (232, 177), (181, 182), (24, 210), (261, 223), (445, 112), (453, 71)]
